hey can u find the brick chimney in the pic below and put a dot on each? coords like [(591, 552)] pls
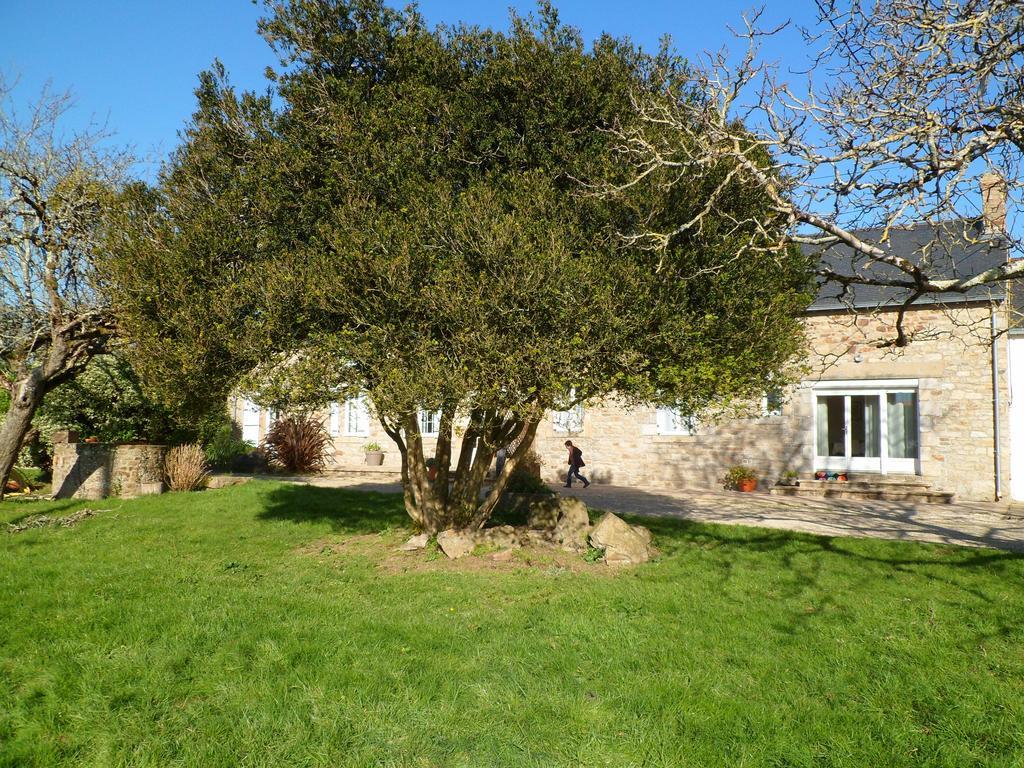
[(993, 202)]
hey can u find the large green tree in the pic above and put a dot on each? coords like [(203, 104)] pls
[(409, 214)]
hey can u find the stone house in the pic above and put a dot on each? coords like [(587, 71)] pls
[(937, 416)]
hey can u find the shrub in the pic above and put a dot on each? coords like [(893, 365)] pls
[(371, 447), (225, 450), (736, 475), (298, 444), (185, 467)]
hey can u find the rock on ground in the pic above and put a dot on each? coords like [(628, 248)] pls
[(415, 542), (623, 544), (573, 525), (561, 520), (455, 544), (499, 536), (543, 515), (214, 482)]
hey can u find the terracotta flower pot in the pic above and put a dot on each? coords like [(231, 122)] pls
[(747, 485)]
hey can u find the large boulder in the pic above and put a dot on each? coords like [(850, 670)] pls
[(456, 544), (544, 514), (573, 525), (561, 520), (499, 536), (623, 544)]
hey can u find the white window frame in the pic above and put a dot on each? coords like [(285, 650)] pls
[(248, 424), (357, 417), (425, 417), (767, 411), (881, 388), (673, 422), (334, 422), (570, 420)]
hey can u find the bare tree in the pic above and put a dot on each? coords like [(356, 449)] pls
[(55, 189), (911, 112)]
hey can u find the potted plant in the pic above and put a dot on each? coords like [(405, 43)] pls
[(740, 478), (790, 478), (374, 454)]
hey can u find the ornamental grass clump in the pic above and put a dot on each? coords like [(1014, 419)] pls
[(185, 467), (298, 444)]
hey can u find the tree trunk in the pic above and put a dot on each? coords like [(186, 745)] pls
[(432, 505), (26, 396), (487, 506)]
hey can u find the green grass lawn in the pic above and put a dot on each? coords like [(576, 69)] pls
[(235, 628)]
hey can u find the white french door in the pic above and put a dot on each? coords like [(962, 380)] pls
[(867, 426)]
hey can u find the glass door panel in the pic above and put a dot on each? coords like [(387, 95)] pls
[(865, 426), (832, 425), (901, 415)]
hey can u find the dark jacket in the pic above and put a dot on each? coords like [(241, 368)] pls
[(576, 457)]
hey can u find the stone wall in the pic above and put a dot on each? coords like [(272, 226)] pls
[(950, 359), (98, 470)]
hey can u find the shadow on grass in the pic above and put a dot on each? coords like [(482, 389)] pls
[(51, 508), (358, 509), (346, 510)]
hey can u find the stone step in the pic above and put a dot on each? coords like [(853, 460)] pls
[(375, 474), (873, 479), (831, 489)]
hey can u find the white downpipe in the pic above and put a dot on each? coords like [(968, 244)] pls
[(996, 434)]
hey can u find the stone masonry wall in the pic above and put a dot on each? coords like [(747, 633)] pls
[(98, 470), (950, 359)]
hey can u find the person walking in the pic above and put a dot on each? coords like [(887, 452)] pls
[(575, 463)]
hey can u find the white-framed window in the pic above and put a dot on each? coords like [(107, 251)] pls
[(334, 422), (250, 421), (430, 423), (357, 416), (771, 403), (570, 420), (673, 421)]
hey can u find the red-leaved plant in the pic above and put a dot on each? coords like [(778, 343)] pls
[(297, 443)]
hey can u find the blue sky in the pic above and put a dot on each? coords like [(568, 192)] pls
[(133, 63)]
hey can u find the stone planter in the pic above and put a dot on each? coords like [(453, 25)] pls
[(89, 470), (374, 458)]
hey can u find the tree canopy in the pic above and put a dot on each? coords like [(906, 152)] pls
[(907, 113), (410, 213), (58, 192)]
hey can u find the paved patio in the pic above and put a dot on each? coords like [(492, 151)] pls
[(969, 524)]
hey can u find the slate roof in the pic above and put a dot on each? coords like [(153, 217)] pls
[(953, 249)]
